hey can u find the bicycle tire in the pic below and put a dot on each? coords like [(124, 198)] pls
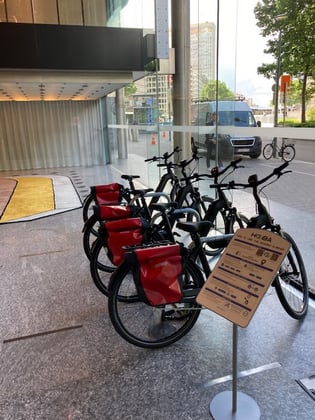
[(268, 151), (87, 207), (100, 265), (146, 326), (90, 235), (288, 153), (291, 282)]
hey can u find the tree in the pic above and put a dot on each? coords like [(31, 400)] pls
[(208, 91), (130, 89), (289, 25)]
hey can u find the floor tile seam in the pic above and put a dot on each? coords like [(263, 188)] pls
[(41, 333)]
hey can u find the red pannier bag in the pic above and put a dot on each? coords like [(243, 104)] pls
[(113, 212), (107, 194), (122, 233), (160, 268)]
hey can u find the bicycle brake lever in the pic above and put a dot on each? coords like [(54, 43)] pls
[(285, 172)]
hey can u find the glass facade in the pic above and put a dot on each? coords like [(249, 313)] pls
[(63, 12), (173, 100)]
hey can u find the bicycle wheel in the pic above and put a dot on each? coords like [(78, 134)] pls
[(291, 282), (288, 153), (100, 265), (268, 151), (90, 234), (146, 326), (87, 206)]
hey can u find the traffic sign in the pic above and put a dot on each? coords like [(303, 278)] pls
[(285, 81)]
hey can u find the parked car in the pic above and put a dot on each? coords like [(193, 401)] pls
[(229, 113)]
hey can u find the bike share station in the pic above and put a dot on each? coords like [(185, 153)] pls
[(234, 291)]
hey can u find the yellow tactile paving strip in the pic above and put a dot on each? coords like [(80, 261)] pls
[(37, 196), (32, 195)]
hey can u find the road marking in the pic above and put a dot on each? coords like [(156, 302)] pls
[(293, 170)]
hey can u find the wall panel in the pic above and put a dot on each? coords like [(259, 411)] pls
[(50, 134)]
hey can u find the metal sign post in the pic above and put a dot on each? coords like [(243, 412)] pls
[(234, 291)]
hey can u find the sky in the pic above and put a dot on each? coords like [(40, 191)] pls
[(241, 45)]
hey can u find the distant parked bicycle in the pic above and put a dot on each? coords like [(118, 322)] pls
[(285, 152)]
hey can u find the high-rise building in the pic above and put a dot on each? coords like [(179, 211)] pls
[(202, 46)]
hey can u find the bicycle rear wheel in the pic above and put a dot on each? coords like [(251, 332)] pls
[(87, 206), (291, 282), (288, 153), (91, 232), (268, 151), (100, 265), (146, 326)]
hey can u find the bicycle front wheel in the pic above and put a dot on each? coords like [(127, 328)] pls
[(268, 151), (148, 326), (288, 153), (291, 282)]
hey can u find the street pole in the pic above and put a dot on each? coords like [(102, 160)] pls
[(277, 80), (276, 108), (278, 18)]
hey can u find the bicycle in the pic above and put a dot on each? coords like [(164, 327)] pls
[(145, 322), (95, 208), (116, 193), (291, 283), (159, 313), (223, 218), (183, 194), (285, 152), (108, 250)]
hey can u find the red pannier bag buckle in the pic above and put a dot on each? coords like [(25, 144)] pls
[(120, 234), (160, 268)]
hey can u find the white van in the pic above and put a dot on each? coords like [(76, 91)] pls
[(230, 113)]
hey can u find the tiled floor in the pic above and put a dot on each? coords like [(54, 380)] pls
[(61, 358)]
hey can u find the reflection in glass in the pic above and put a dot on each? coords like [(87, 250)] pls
[(19, 11), (3, 16), (94, 12), (45, 11), (70, 12)]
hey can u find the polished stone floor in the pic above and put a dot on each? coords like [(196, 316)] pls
[(61, 358)]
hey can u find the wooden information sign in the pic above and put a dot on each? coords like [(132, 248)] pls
[(243, 274)]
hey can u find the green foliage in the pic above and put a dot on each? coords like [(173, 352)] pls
[(209, 89), (288, 26), (295, 123), (311, 113), (130, 89)]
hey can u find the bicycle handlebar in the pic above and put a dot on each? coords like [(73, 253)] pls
[(253, 181), (215, 173), (165, 157)]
